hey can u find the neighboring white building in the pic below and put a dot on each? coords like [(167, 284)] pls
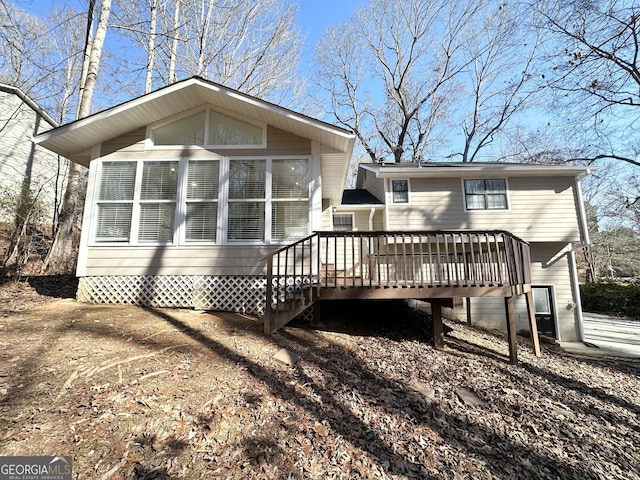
[(23, 164)]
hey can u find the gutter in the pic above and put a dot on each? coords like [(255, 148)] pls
[(33, 105)]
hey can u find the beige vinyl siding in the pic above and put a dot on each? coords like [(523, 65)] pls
[(172, 260), (124, 144), (361, 219), (490, 312), (132, 145), (541, 209), (374, 185)]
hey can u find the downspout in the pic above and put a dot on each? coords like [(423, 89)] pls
[(582, 215), (575, 286), (371, 213), (586, 240)]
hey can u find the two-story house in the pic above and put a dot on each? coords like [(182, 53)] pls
[(541, 204), (201, 196)]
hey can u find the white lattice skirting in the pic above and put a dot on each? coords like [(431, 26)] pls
[(244, 294)]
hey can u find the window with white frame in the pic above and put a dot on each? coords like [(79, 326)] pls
[(266, 200), (289, 199), (115, 201), (152, 190), (400, 191), (209, 128), (247, 200), (486, 194), (201, 203), (343, 222)]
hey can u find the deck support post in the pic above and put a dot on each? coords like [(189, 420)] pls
[(511, 330), (533, 324), (317, 311), (436, 325)]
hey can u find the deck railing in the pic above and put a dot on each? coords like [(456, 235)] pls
[(297, 273)]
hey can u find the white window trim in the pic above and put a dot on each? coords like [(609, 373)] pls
[(135, 211), (390, 189), (181, 202), (268, 234), (353, 221), (486, 210), (149, 145), (181, 209)]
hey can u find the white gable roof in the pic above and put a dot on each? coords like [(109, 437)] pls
[(74, 140)]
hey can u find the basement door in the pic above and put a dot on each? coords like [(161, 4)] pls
[(545, 313)]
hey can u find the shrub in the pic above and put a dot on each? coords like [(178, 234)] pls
[(612, 298)]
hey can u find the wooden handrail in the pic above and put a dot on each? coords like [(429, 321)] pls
[(297, 273)]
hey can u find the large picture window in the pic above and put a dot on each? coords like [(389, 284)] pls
[(236, 201), (486, 194)]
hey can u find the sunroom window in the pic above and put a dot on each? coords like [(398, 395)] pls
[(247, 198), (225, 130), (155, 197), (240, 200), (115, 201), (186, 131), (290, 199), (203, 177), (158, 201), (208, 128)]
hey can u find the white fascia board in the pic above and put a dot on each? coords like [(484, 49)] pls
[(523, 170)]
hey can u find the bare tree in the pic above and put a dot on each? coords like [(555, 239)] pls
[(399, 72), (594, 72), (498, 82), (251, 46)]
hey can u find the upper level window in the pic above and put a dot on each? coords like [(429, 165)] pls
[(400, 190), (486, 194), (209, 128)]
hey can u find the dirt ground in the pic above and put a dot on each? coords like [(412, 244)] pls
[(150, 393)]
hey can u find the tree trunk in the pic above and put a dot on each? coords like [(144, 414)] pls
[(61, 257), (174, 44), (151, 46)]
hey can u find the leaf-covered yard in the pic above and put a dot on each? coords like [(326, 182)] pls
[(148, 393)]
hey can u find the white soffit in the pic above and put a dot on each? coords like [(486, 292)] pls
[(74, 139)]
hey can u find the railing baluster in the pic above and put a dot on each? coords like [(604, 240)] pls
[(438, 260), (456, 262), (464, 267), (430, 252), (353, 260)]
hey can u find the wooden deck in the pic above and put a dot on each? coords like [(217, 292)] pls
[(436, 266)]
